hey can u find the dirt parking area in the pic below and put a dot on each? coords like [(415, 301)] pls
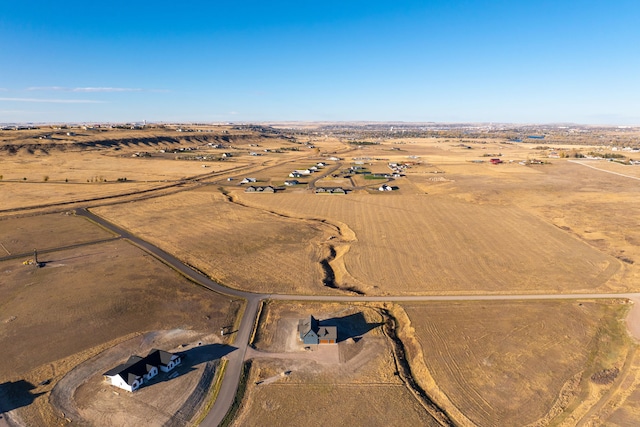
[(360, 340), (86, 398), (356, 378)]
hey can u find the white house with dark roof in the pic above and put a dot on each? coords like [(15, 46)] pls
[(136, 371)]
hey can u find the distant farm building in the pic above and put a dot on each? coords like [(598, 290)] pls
[(330, 190), (385, 187), (247, 180), (311, 332), (291, 182), (300, 173), (139, 370), (260, 189), (495, 161)]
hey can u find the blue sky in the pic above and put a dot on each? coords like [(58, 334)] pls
[(444, 61)]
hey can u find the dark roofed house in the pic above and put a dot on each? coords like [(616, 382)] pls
[(311, 332), (138, 370), (330, 190), (163, 359), (260, 189)]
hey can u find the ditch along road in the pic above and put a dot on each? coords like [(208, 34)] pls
[(236, 358)]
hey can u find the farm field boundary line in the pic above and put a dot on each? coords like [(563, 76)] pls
[(604, 170), (409, 298), (60, 248)]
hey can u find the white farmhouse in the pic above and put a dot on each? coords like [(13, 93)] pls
[(138, 370)]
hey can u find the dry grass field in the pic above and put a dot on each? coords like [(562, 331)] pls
[(239, 246), (68, 176), (456, 225), (422, 243), (518, 363), (312, 404), (22, 235), (82, 301), (597, 207), (88, 164), (358, 388)]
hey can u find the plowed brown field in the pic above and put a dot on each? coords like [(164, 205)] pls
[(239, 246), (416, 244), (512, 363)]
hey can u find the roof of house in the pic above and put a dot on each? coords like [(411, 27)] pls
[(310, 323), (328, 333), (159, 357), (135, 368)]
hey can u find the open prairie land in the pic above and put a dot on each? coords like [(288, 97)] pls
[(89, 295), (239, 246), (94, 163), (70, 176), (358, 385), (22, 235), (84, 300), (522, 363), (541, 221)]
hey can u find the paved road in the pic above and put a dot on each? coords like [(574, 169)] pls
[(231, 378)]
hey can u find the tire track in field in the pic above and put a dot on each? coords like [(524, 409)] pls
[(455, 373)]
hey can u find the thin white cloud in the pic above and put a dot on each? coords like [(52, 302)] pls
[(32, 88), (90, 89), (54, 101), (106, 89)]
